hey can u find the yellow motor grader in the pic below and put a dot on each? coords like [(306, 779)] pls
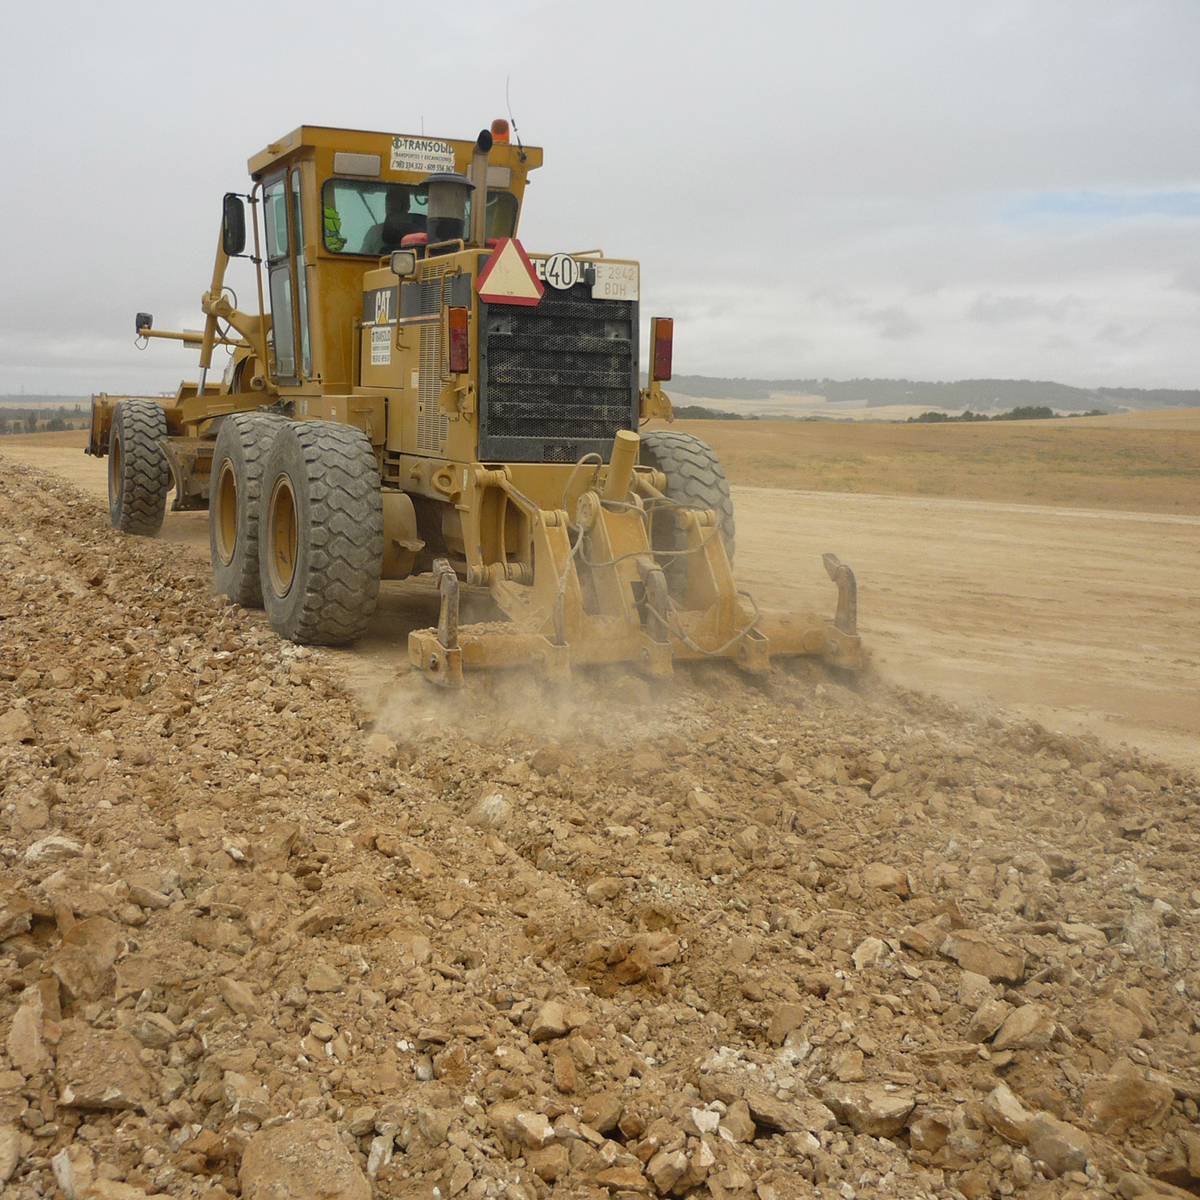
[(415, 393)]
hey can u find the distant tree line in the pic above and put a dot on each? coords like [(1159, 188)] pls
[(987, 395), (43, 420), (697, 412), (1025, 413)]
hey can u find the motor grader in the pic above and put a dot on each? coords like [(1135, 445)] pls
[(414, 393)]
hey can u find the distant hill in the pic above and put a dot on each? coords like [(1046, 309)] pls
[(979, 395)]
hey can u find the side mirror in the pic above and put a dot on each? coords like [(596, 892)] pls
[(233, 226), (404, 263)]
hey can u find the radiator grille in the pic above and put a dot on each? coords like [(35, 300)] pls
[(559, 379), (433, 425)]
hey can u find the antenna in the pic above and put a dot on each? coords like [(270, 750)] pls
[(512, 120)]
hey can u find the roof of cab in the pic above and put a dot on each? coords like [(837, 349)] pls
[(361, 141)]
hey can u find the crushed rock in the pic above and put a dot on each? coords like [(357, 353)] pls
[(717, 937)]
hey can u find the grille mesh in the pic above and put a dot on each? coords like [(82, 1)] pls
[(433, 425), (563, 369)]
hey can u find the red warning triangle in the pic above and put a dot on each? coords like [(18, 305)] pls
[(509, 277)]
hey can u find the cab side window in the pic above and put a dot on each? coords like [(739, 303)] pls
[(301, 277), (279, 277)]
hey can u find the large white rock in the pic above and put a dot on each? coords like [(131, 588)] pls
[(100, 1069), (1060, 1146), (1007, 1116), (869, 1108), (301, 1160)]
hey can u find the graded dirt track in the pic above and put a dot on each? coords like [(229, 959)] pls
[(1082, 616), (1084, 619)]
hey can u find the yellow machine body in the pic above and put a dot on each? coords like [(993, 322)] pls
[(504, 427)]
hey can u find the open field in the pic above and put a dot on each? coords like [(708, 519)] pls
[(1143, 462), (70, 402), (1139, 462)]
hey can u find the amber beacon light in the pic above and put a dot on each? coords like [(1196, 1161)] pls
[(499, 130), (662, 334)]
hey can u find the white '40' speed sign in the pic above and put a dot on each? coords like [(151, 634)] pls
[(562, 272)]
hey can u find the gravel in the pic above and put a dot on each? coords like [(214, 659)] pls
[(715, 937)]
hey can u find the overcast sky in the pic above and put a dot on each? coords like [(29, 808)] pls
[(935, 190)]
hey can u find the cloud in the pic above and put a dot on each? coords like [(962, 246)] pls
[(57, 363), (1188, 277), (935, 190), (1002, 310), (892, 322), (1118, 334), (827, 336)]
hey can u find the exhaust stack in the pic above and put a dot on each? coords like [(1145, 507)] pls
[(478, 176)]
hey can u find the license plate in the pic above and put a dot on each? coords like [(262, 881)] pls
[(615, 280)]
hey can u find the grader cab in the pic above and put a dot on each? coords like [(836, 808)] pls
[(414, 393)]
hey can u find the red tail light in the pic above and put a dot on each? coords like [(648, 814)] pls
[(460, 345), (662, 333)]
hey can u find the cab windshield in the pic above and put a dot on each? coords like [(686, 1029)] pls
[(372, 219)]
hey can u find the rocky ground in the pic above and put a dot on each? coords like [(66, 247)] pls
[(724, 937)]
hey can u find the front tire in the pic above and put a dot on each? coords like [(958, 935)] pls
[(320, 533), (695, 479), (139, 475), (239, 457)]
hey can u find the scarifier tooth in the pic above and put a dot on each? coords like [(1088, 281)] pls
[(847, 586)]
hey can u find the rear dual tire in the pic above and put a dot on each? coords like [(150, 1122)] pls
[(239, 457)]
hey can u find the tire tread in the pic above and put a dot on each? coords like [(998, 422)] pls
[(254, 432), (340, 585), (694, 478), (138, 503)]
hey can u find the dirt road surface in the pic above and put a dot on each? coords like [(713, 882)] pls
[(1083, 619)]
